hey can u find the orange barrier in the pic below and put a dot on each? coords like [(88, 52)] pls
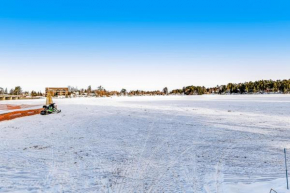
[(17, 114), (13, 107)]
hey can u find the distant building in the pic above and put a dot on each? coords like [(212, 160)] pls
[(57, 91)]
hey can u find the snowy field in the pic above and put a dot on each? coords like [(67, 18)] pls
[(206, 144)]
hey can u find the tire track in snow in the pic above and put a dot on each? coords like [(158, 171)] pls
[(172, 163), (129, 169)]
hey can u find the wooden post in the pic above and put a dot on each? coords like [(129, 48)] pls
[(286, 168), (49, 98)]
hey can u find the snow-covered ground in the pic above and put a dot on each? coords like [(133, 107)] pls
[(209, 144)]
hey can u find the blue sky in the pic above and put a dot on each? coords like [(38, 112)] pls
[(142, 44)]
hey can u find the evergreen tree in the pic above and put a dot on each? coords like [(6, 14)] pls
[(18, 90), (89, 89), (100, 88), (165, 90), (123, 91)]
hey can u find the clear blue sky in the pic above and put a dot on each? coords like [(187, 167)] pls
[(142, 44)]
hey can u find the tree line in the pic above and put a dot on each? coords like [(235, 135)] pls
[(260, 86), (18, 91), (101, 92)]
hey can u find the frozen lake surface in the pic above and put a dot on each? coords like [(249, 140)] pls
[(207, 144)]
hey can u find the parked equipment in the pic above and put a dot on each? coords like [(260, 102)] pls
[(50, 109)]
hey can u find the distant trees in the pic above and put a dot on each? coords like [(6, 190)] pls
[(260, 86), (17, 90), (72, 89), (147, 93), (101, 92), (89, 90), (100, 88), (221, 89), (165, 90), (3, 91), (34, 93), (123, 91), (177, 91), (190, 90)]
